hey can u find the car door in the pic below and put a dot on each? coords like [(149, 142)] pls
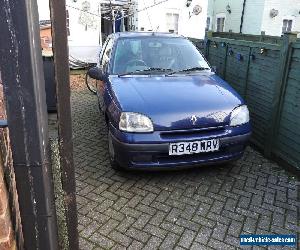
[(104, 63)]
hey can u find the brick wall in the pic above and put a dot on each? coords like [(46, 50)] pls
[(11, 236), (7, 236)]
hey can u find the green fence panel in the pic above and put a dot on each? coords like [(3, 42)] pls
[(217, 56), (262, 76), (288, 137), (199, 43), (237, 65)]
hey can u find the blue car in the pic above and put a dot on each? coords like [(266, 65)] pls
[(164, 106)]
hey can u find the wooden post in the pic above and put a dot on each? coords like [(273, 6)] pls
[(208, 36), (280, 87), (62, 80), (24, 90)]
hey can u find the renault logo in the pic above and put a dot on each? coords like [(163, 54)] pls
[(194, 119)]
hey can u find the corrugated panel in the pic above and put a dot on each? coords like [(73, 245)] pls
[(288, 139)]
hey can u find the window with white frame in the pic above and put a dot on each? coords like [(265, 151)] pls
[(287, 25), (220, 24), (208, 20), (172, 22)]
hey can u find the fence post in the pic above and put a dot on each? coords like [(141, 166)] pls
[(62, 80), (24, 92), (208, 36), (280, 87)]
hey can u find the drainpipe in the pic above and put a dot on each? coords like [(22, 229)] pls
[(242, 17)]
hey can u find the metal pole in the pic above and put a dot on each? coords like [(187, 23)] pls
[(61, 61), (24, 90)]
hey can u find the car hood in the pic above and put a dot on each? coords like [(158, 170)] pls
[(171, 101)]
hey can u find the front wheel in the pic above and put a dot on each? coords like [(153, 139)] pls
[(91, 83), (112, 155)]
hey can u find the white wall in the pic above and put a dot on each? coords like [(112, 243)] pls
[(287, 8), (78, 35), (257, 15), (254, 11), (155, 18), (83, 44), (44, 12)]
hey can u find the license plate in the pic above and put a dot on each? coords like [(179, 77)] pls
[(195, 147)]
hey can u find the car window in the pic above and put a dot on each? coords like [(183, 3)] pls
[(127, 51), (106, 54), (134, 54), (102, 51)]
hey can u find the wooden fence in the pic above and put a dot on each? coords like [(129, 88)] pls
[(267, 75)]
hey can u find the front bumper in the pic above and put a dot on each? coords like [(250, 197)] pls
[(146, 154)]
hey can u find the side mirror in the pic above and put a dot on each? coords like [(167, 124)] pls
[(214, 69), (96, 73)]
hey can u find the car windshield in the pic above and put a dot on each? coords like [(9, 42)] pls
[(156, 55)]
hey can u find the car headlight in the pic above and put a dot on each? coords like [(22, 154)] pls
[(134, 122), (239, 116)]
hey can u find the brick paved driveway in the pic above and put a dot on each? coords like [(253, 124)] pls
[(205, 208)]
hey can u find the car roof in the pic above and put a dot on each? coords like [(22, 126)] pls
[(144, 34)]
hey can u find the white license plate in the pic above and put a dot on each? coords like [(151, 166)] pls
[(195, 147)]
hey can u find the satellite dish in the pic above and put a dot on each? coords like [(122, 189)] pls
[(197, 10), (274, 13)]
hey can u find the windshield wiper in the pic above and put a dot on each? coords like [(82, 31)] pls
[(145, 71), (189, 70)]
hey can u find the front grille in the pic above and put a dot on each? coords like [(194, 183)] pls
[(192, 133)]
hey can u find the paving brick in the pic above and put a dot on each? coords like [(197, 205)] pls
[(136, 245), (101, 241), (235, 228), (158, 218), (171, 227), (169, 241), (216, 244), (153, 243), (204, 235), (187, 238), (138, 235), (142, 221), (250, 225), (155, 231), (219, 232), (120, 238), (90, 229), (125, 224), (197, 246)]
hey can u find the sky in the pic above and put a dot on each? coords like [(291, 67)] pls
[(44, 13)]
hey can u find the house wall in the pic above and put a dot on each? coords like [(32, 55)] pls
[(84, 40), (257, 15), (155, 18), (232, 20), (286, 8), (254, 11)]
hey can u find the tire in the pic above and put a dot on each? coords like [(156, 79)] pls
[(91, 84), (111, 151)]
